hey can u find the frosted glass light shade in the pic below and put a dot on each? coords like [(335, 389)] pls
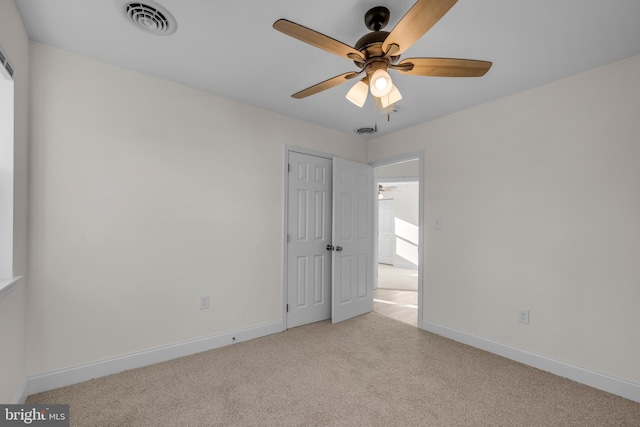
[(381, 83), (358, 93), (391, 98)]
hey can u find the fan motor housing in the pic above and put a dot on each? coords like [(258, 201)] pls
[(371, 46)]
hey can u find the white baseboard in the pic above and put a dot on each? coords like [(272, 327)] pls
[(77, 374), (21, 394), (613, 385), (85, 372)]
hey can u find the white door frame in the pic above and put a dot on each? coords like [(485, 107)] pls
[(389, 161)]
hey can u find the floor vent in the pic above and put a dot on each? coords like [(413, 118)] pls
[(150, 17)]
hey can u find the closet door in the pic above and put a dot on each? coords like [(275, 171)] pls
[(308, 235)]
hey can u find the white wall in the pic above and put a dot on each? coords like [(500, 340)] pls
[(406, 169), (145, 195), (13, 310), (540, 201)]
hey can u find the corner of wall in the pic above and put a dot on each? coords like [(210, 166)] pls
[(13, 309)]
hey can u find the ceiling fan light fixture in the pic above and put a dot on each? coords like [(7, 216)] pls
[(383, 110), (391, 98), (381, 83), (358, 93), (378, 51)]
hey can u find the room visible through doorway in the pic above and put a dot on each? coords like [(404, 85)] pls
[(398, 274)]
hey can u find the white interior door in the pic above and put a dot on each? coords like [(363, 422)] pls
[(386, 231), (308, 234), (352, 263)]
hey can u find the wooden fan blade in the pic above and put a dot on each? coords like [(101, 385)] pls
[(327, 84), (444, 67), (418, 20), (317, 39)]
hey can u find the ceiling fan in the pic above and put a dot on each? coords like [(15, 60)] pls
[(378, 51), (382, 188)]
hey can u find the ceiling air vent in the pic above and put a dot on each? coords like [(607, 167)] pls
[(365, 131), (150, 17)]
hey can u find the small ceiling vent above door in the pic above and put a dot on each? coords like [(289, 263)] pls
[(149, 17), (365, 131)]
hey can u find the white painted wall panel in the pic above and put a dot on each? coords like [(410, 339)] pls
[(145, 195), (539, 196)]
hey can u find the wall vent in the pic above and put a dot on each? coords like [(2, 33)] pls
[(149, 17)]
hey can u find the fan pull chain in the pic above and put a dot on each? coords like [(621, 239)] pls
[(375, 119)]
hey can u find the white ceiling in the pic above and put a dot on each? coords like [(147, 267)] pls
[(230, 49)]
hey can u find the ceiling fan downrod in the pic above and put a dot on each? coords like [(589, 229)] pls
[(377, 18)]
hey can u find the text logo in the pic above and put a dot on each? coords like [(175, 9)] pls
[(34, 415)]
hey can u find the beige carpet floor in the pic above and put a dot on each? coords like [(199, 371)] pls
[(366, 371)]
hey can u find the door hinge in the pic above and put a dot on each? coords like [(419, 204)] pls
[(288, 167), (287, 308)]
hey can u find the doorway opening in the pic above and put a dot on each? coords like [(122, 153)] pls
[(398, 284)]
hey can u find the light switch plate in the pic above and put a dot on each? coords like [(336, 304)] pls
[(523, 316)]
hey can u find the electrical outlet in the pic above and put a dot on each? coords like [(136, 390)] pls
[(437, 224), (204, 302), (523, 316)]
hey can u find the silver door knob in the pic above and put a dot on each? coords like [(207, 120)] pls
[(338, 248), (329, 247)]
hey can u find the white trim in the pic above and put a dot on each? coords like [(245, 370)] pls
[(85, 372), (21, 395), (610, 384), (7, 285), (306, 151), (404, 180)]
